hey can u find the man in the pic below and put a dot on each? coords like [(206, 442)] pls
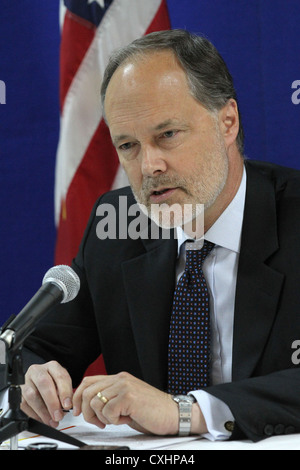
[(173, 116)]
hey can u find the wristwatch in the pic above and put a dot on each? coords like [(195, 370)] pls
[(185, 403)]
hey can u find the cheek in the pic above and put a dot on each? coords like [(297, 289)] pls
[(198, 146), (202, 151), (188, 161)]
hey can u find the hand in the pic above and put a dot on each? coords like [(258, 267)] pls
[(47, 391), (130, 401)]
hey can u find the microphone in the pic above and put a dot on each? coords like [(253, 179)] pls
[(60, 285)]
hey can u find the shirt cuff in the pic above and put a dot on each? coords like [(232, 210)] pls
[(216, 414)]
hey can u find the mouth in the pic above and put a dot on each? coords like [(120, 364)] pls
[(161, 194)]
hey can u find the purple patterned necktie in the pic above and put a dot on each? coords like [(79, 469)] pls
[(189, 339)]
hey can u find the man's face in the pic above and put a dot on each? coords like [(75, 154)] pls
[(170, 146)]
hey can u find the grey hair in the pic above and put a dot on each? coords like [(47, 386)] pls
[(207, 74)]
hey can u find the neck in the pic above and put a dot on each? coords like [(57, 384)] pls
[(235, 173)]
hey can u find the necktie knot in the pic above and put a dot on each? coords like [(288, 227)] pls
[(195, 257)]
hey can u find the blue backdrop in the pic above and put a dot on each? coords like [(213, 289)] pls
[(259, 40)]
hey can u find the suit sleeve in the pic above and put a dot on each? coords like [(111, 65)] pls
[(263, 406)]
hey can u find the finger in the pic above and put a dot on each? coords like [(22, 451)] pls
[(41, 390), (98, 403), (82, 388), (110, 407), (40, 411), (110, 388), (114, 410), (93, 415), (91, 404), (63, 383), (84, 395)]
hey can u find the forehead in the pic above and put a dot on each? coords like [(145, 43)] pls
[(145, 84), (145, 69)]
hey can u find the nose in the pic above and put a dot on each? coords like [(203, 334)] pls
[(153, 161)]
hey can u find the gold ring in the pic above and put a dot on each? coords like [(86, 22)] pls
[(102, 398)]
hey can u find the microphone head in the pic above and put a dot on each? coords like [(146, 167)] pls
[(66, 279)]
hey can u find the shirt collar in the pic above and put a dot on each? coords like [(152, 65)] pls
[(227, 229)]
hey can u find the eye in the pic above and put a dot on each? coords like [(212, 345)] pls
[(128, 150), (126, 146), (169, 134)]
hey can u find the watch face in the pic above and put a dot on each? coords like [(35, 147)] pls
[(184, 398)]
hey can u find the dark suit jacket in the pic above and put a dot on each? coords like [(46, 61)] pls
[(124, 305)]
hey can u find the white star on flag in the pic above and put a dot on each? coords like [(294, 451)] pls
[(101, 2)]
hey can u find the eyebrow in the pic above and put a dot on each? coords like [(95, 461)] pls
[(162, 125), (119, 138), (159, 127)]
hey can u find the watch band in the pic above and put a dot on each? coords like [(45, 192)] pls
[(185, 403)]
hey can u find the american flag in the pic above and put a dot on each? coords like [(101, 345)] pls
[(86, 162)]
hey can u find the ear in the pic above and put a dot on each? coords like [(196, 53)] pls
[(229, 122)]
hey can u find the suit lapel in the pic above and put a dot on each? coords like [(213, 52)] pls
[(258, 285), (149, 284)]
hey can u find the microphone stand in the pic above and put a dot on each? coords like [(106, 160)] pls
[(15, 421)]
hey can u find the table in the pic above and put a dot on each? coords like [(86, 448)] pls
[(125, 436)]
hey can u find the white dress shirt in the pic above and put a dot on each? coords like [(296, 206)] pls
[(220, 271)]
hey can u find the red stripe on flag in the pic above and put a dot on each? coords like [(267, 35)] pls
[(73, 51), (94, 177), (161, 20)]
